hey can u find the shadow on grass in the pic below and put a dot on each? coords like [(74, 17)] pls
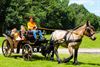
[(83, 63), (34, 57), (37, 57)]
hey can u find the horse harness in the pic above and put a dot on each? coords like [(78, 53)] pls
[(68, 40)]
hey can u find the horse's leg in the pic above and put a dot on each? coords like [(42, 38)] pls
[(71, 54), (52, 54), (54, 50), (51, 49), (75, 56), (56, 53)]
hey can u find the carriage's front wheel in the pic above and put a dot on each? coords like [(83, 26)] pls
[(47, 50), (6, 48), (27, 52)]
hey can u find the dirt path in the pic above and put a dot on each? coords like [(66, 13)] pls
[(82, 50)]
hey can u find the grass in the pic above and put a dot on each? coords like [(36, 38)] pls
[(85, 60), (1, 40), (86, 42)]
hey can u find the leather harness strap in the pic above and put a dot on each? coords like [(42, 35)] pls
[(68, 41)]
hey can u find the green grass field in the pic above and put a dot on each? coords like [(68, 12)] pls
[(1, 40), (86, 42), (85, 60)]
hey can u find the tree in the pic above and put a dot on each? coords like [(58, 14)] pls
[(17, 12), (94, 20), (3, 6), (57, 17), (47, 13)]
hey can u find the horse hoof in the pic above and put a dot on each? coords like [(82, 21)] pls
[(51, 59), (66, 60), (59, 62), (75, 63)]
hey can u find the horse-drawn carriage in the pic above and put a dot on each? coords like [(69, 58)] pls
[(71, 39), (28, 46)]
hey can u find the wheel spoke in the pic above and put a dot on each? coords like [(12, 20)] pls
[(6, 49), (27, 52)]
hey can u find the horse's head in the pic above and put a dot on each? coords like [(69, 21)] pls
[(89, 30)]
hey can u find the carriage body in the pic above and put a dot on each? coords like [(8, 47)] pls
[(28, 46), (9, 45)]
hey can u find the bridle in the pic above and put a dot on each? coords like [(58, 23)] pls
[(88, 33)]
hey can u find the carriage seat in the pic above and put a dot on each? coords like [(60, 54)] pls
[(30, 37)]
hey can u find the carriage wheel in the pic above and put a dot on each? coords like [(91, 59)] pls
[(6, 48), (27, 52)]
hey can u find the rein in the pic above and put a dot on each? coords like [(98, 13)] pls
[(46, 29), (56, 29), (78, 34)]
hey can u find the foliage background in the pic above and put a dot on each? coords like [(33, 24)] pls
[(56, 14)]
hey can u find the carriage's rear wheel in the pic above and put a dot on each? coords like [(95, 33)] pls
[(27, 52), (6, 48)]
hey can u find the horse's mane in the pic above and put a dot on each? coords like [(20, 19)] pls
[(78, 27)]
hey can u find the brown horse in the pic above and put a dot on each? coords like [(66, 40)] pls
[(70, 39)]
